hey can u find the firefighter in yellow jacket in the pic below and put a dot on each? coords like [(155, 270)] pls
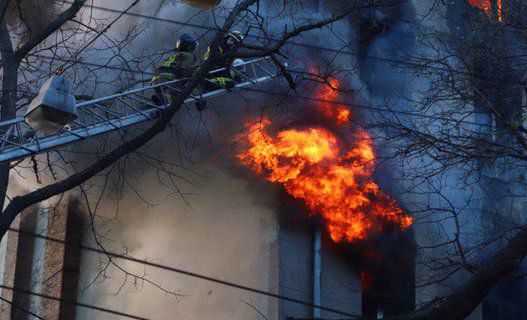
[(225, 78), (180, 65)]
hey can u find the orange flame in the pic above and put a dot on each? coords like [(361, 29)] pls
[(330, 110), (332, 178), (486, 5)]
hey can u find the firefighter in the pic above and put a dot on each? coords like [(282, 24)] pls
[(178, 66), (227, 77)]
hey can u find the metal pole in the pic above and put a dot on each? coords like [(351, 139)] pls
[(321, 6), (317, 271)]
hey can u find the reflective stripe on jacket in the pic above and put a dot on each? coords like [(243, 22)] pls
[(179, 65), (223, 81), (222, 77)]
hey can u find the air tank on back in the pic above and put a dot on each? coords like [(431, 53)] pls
[(54, 107)]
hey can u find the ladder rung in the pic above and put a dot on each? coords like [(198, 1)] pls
[(97, 116)]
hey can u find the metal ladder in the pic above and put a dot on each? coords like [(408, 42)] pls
[(115, 112)]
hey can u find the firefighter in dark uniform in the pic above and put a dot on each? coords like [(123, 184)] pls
[(178, 66), (227, 77)]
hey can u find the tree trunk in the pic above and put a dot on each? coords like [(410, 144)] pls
[(9, 97)]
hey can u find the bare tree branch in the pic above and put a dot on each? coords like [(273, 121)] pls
[(55, 25)]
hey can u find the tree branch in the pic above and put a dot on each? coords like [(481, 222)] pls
[(19, 203), (286, 36), (64, 17), (3, 8), (463, 301)]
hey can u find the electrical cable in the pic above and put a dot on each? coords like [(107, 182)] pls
[(347, 104), (21, 309), (79, 304), (186, 273), (373, 108), (347, 52), (106, 28), (293, 43), (125, 12), (92, 64)]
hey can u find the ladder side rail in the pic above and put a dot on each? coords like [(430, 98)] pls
[(14, 144), (264, 70), (107, 111), (144, 101), (242, 74), (103, 119), (135, 109), (91, 122), (86, 103), (253, 62), (54, 141), (74, 133), (10, 122), (5, 136)]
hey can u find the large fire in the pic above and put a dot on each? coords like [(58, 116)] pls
[(486, 5), (330, 174)]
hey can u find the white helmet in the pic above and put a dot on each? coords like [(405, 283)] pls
[(235, 35), (239, 64)]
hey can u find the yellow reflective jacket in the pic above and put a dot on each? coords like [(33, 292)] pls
[(223, 76), (179, 65)]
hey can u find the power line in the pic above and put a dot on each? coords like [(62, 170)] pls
[(307, 98), (186, 273), (109, 67), (290, 42), (373, 108), (126, 12), (293, 43), (89, 43), (21, 309), (378, 109), (106, 28), (75, 303), (245, 89)]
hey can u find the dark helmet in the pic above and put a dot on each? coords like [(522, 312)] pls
[(186, 42)]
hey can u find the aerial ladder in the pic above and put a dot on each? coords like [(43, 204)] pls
[(25, 136)]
